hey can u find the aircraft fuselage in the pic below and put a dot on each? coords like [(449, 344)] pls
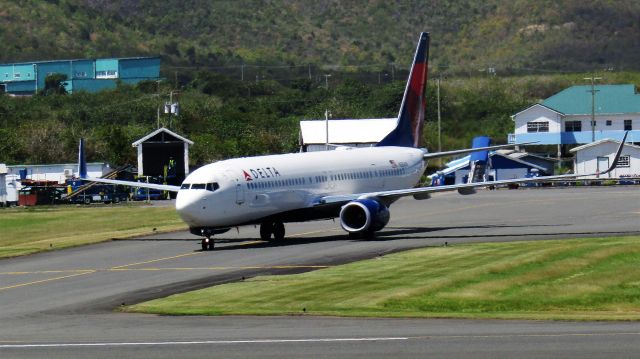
[(245, 190)]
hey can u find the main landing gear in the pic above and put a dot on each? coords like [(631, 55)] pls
[(272, 231)]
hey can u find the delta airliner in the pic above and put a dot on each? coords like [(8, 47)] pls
[(356, 185)]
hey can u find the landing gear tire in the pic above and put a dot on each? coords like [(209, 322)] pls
[(278, 231), (266, 229), (207, 244)]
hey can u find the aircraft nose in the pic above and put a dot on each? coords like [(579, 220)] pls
[(189, 207)]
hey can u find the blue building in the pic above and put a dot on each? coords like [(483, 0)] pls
[(501, 165), (27, 78), (565, 118)]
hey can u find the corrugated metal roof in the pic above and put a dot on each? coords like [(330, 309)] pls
[(609, 99), (599, 142), (369, 130), (78, 60)]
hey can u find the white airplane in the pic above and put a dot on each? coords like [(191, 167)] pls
[(357, 185)]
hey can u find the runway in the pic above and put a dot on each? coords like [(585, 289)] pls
[(61, 304)]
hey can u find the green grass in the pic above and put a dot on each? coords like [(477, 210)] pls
[(580, 279), (35, 229)]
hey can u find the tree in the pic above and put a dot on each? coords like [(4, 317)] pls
[(54, 84)]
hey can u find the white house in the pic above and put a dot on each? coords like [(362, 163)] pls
[(353, 133), (597, 157), (565, 118)]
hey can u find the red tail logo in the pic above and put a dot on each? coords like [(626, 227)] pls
[(247, 177)]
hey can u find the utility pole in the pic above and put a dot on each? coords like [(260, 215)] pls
[(439, 117), (326, 119), (242, 72), (158, 96), (593, 104), (326, 81), (309, 68)]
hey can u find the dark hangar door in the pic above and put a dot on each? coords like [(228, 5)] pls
[(157, 155)]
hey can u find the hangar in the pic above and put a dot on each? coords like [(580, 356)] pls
[(597, 156), (163, 153), (343, 132)]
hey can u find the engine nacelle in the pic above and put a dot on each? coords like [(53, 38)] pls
[(364, 215)]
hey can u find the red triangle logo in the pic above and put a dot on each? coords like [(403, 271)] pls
[(247, 177)]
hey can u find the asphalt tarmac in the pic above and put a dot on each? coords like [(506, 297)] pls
[(61, 304)]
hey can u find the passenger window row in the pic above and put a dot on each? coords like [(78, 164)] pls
[(368, 174), (277, 183)]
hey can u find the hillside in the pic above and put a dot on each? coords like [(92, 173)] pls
[(468, 35)]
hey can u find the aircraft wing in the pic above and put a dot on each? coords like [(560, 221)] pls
[(162, 187), (427, 155), (82, 171), (464, 188)]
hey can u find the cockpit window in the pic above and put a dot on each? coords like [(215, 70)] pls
[(208, 186)]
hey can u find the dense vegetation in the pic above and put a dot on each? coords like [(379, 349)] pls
[(468, 35), (227, 117), (249, 70)]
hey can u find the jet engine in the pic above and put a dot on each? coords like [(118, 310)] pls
[(364, 215)]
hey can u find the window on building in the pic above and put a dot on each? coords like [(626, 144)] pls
[(628, 125), (109, 74), (533, 127), (624, 161), (573, 126), (593, 123), (608, 122), (16, 75)]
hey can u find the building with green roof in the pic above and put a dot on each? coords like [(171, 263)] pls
[(565, 118)]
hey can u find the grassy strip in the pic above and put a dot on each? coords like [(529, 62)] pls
[(581, 279), (35, 229)]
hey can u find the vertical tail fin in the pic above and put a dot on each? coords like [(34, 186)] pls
[(408, 131), (82, 162)]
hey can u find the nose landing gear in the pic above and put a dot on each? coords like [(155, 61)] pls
[(207, 242)]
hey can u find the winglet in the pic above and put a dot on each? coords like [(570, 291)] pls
[(82, 162), (617, 157)]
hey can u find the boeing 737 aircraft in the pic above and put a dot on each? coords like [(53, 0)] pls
[(356, 185)]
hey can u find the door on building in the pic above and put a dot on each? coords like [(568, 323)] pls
[(603, 165)]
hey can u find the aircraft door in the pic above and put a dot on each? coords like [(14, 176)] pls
[(239, 193), (239, 186)]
